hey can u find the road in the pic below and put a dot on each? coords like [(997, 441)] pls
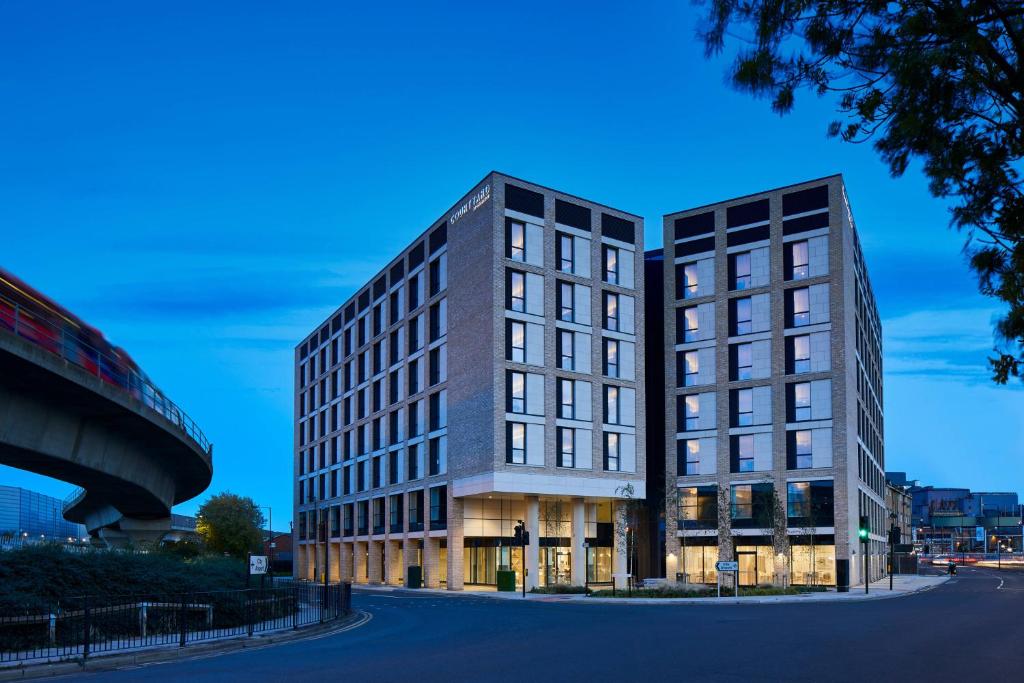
[(967, 629)]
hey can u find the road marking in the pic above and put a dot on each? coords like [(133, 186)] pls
[(1000, 586)]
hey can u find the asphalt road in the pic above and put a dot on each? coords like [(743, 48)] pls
[(967, 629)]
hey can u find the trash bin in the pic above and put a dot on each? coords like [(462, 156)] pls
[(414, 577), (506, 580)]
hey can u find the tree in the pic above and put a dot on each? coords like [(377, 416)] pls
[(775, 518), (232, 524), (934, 80), (629, 516), (725, 549)]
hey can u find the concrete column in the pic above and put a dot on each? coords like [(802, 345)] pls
[(334, 566), (578, 552), (346, 561), (431, 559), (532, 551), (456, 542), (619, 550), (376, 560), (299, 569), (410, 549), (359, 549), (393, 562)]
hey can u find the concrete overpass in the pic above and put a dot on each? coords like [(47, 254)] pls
[(132, 452)]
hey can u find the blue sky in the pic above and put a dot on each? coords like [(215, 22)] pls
[(206, 182)]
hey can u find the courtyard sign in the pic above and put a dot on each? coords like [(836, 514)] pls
[(472, 204)]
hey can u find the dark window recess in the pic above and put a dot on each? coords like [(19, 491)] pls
[(350, 313), (695, 246), (747, 236), (304, 350), (618, 228), (523, 200), (416, 256), (573, 215), (745, 214), (439, 237), (380, 287), (791, 450), (335, 323), (692, 226), (397, 272), (805, 200), (805, 223), (324, 335), (364, 300)]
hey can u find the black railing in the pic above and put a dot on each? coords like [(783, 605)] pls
[(77, 627)]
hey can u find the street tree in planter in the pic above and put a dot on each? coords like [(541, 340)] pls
[(630, 514)]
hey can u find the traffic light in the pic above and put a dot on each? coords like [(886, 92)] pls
[(865, 528)]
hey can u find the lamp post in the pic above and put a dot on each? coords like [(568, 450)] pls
[(893, 530), (270, 537)]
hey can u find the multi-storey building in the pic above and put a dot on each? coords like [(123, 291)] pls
[(771, 353), (492, 372)]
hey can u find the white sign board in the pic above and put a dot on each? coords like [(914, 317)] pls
[(727, 566), (258, 564)]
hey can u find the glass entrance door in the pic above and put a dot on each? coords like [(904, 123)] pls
[(748, 568), (556, 566)]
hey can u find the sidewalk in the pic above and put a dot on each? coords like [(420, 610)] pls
[(879, 590)]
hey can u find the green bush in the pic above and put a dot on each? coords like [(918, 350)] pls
[(560, 589), (670, 591)]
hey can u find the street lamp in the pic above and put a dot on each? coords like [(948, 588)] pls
[(893, 531)]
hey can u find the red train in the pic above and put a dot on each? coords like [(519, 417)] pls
[(42, 321)]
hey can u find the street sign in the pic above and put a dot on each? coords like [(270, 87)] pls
[(258, 564), (727, 566)]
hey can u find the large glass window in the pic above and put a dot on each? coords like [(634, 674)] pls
[(744, 407), (566, 447), (802, 401), (612, 443), (799, 264), (611, 311), (801, 353), (698, 507), (802, 439), (801, 307), (741, 271), (691, 324), (517, 241), (517, 392), (743, 323), (517, 344), (744, 362), (798, 499), (611, 265), (691, 412), (565, 253), (611, 357), (517, 450), (691, 365), (742, 502), (517, 282), (690, 282), (745, 452)]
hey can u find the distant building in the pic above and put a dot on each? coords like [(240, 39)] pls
[(35, 517)]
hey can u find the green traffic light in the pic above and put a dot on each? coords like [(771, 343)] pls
[(863, 533)]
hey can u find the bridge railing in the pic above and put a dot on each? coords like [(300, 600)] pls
[(57, 340)]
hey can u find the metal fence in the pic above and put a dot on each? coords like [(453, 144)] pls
[(77, 627)]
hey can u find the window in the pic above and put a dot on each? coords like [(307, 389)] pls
[(798, 262), (517, 345), (691, 366), (516, 241), (802, 401), (566, 257), (612, 451), (691, 412), (436, 465), (392, 467), (566, 399), (611, 311), (690, 283), (413, 459), (744, 407), (415, 510), (566, 447), (517, 443), (802, 449), (744, 446), (414, 291), (395, 521), (517, 392), (566, 360), (414, 376), (744, 367), (742, 309), (612, 406), (742, 502), (611, 265), (435, 321), (378, 515), (414, 334), (566, 307), (740, 271), (800, 307), (395, 306), (691, 326), (438, 508), (517, 291), (798, 499), (611, 357), (435, 366), (801, 353), (689, 456), (698, 507)]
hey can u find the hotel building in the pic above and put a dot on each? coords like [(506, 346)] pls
[(491, 372), (772, 401)]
